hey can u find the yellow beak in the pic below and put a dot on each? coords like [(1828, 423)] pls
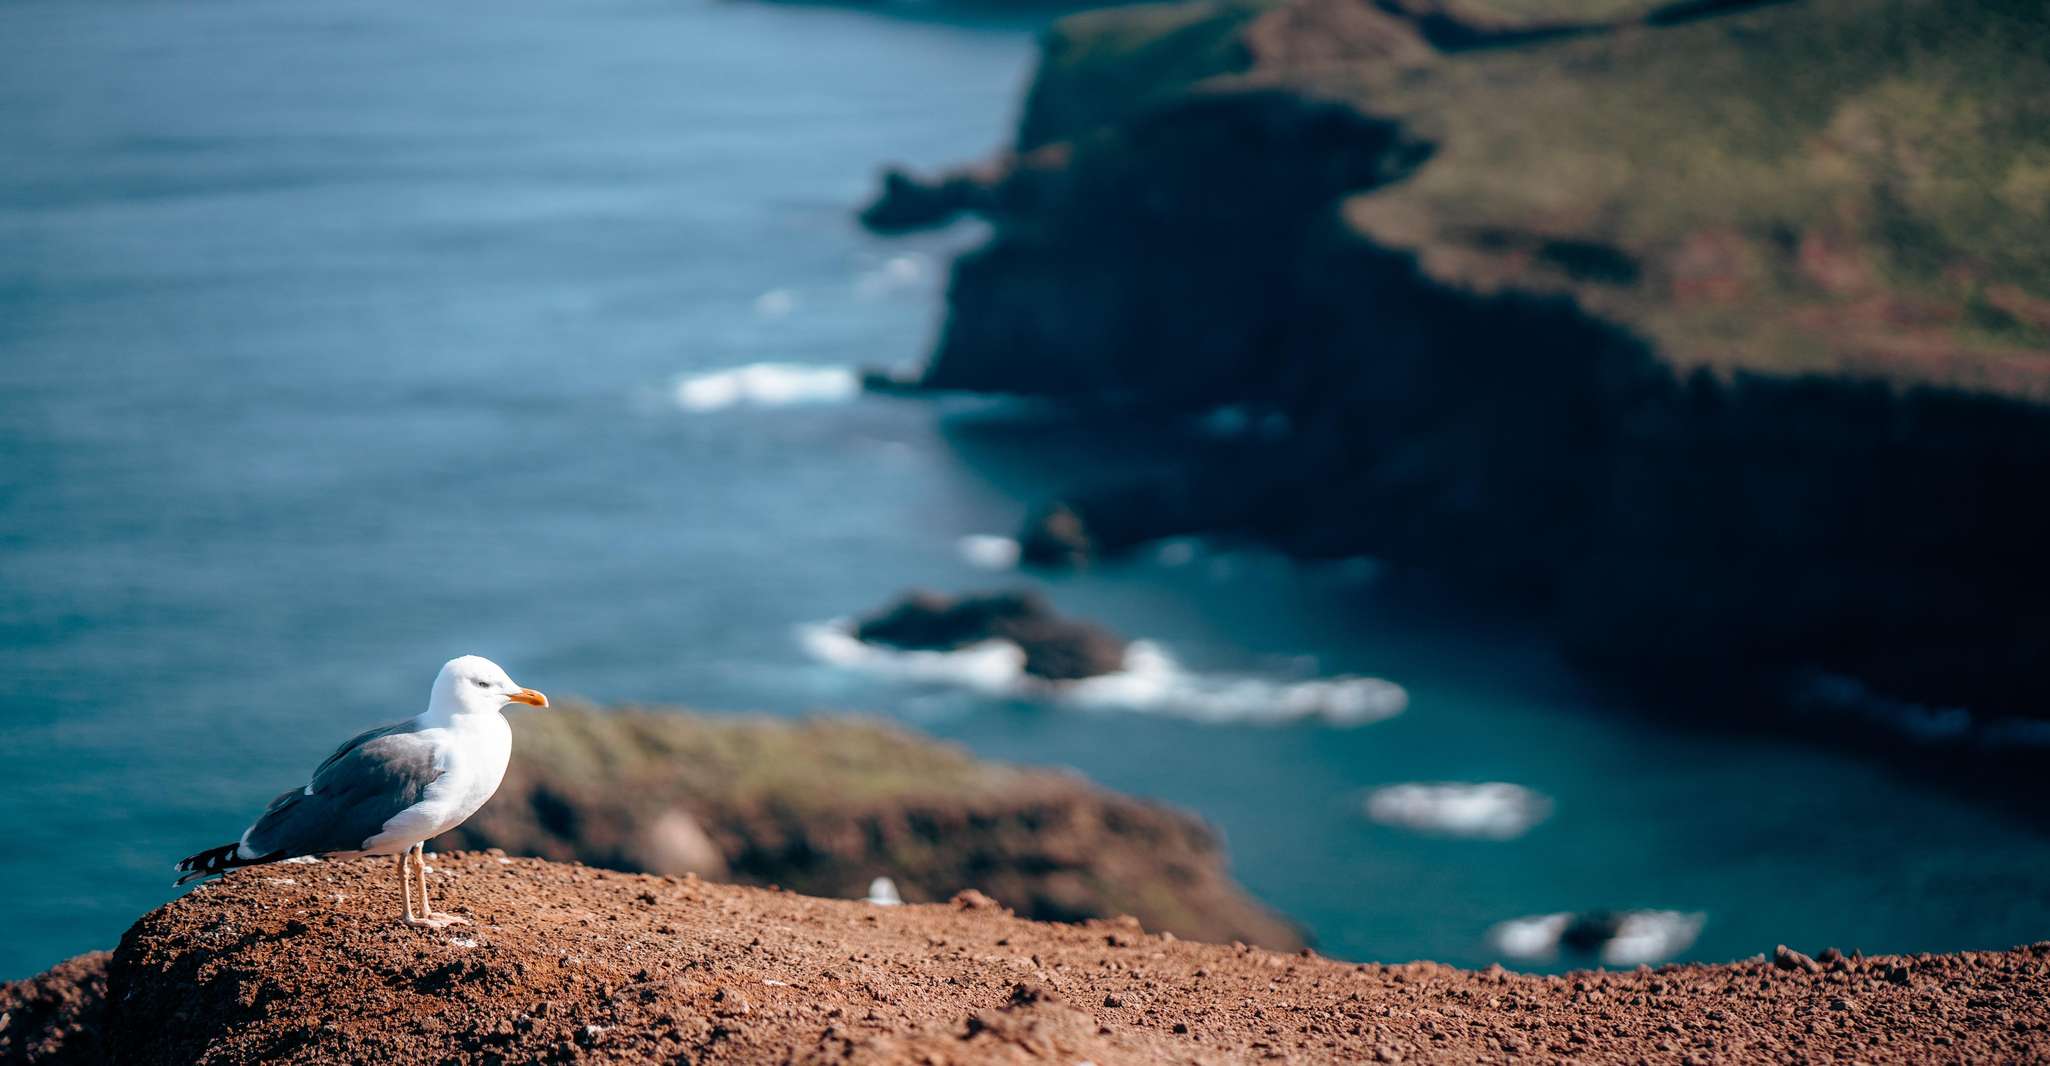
[(529, 697)]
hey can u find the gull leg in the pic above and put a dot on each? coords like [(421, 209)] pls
[(406, 885), (428, 917)]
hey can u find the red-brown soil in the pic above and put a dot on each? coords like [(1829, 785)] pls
[(57, 1015), (307, 963)]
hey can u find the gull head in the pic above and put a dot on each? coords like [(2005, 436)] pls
[(473, 684)]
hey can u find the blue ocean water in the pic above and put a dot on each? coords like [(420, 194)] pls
[(338, 340)]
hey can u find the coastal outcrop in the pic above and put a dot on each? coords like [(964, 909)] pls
[(1709, 336), (1056, 648), (825, 805), (565, 963)]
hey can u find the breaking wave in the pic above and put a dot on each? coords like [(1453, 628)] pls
[(1152, 682), (987, 551), (1492, 810), (766, 385), (1629, 938)]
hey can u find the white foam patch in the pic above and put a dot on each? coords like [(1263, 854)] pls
[(766, 385), (1490, 810), (1152, 682), (987, 551), (1536, 937), (1648, 936), (1641, 936), (993, 667)]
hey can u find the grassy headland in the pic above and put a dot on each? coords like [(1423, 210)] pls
[(1716, 335)]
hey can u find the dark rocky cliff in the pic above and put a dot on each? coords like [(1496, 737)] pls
[(1710, 338)]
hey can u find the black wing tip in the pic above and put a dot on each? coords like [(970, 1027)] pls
[(209, 862)]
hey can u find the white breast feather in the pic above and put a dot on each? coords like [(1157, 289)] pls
[(471, 756)]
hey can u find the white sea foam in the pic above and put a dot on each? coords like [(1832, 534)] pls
[(1152, 682), (1648, 936), (994, 667), (1536, 937), (1493, 810), (776, 303), (987, 551), (766, 385), (1640, 937), (896, 274)]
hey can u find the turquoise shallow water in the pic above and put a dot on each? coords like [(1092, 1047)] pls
[(337, 341)]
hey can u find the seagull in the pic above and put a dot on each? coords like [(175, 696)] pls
[(391, 789)]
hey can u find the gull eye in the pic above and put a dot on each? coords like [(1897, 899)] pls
[(480, 682)]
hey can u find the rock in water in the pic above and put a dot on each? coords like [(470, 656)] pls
[(1056, 648), (1055, 537), (1588, 931), (908, 202)]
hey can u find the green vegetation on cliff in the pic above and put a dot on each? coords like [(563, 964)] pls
[(1100, 68), (1716, 339), (1832, 185)]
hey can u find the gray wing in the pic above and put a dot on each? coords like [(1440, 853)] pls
[(373, 777)]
